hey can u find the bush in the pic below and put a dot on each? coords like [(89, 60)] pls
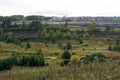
[(74, 59), (31, 60), (66, 55), (37, 61), (6, 64), (92, 57)]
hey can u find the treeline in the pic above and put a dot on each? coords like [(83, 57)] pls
[(22, 17), (7, 25)]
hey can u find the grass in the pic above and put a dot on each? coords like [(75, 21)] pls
[(90, 46), (108, 70)]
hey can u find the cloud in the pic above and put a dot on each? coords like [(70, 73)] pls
[(61, 7)]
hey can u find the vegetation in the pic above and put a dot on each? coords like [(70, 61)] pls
[(40, 51)]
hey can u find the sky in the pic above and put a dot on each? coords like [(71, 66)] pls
[(60, 7)]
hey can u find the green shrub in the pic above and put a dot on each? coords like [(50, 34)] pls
[(30, 60), (37, 61), (92, 57), (6, 64), (66, 55)]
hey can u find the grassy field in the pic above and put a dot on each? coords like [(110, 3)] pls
[(108, 70)]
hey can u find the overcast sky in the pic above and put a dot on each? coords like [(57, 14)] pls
[(60, 7)]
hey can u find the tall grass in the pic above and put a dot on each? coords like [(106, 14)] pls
[(109, 70)]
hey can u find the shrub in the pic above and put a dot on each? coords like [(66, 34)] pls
[(66, 55), (92, 57), (74, 59), (37, 61), (6, 64), (31, 60), (26, 60)]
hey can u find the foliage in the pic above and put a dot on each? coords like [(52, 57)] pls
[(6, 64), (66, 55), (74, 59), (31, 60), (93, 57)]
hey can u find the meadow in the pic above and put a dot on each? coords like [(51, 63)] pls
[(74, 69)]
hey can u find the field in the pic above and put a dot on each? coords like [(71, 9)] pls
[(108, 70)]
